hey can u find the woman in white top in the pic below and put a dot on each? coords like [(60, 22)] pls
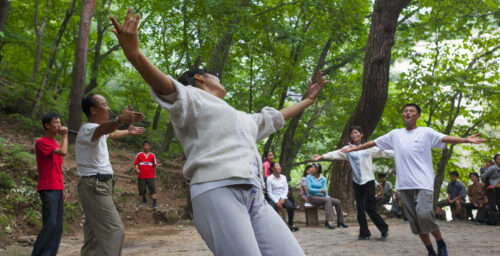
[(223, 163), (363, 181), (277, 189)]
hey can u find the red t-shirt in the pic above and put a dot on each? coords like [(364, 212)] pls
[(49, 165), (146, 165)]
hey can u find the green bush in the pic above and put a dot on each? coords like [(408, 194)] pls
[(72, 210), (15, 156), (25, 122), (6, 182)]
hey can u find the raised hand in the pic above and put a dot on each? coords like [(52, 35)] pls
[(316, 158), (63, 131), (474, 139), (127, 33), (133, 130), (128, 116), (313, 90)]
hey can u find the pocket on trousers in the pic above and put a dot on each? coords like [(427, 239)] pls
[(102, 188)]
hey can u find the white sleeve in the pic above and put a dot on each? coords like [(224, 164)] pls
[(268, 121), (86, 132), (335, 155), (436, 139), (270, 190), (285, 191), (385, 142), (378, 153), (182, 105)]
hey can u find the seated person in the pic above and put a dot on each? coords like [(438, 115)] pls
[(456, 196), (277, 190), (303, 185), (397, 206), (317, 194), (477, 198), (384, 193)]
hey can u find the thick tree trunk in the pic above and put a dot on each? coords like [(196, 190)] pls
[(4, 12), (157, 117), (374, 93), (80, 68), (52, 58), (169, 135)]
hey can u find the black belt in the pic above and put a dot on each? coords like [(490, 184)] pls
[(100, 177)]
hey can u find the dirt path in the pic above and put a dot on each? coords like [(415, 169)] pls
[(462, 239)]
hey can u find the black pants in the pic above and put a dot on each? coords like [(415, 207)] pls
[(494, 202), (481, 212), (365, 202), (47, 241), (290, 208)]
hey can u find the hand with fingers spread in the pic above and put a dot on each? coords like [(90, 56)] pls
[(474, 139), (316, 158), (133, 130), (128, 116), (127, 33), (313, 90)]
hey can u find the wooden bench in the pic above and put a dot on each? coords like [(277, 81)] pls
[(311, 214)]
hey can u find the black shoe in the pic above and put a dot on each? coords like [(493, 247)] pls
[(330, 226), (293, 228), (342, 225), (443, 251), (363, 237), (384, 235), (437, 216)]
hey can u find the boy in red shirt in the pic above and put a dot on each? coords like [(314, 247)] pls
[(50, 184), (145, 165)]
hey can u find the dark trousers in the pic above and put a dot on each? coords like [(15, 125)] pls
[(481, 212), (47, 241), (365, 202), (290, 208), (494, 202)]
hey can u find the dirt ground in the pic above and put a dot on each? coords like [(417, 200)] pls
[(183, 239)]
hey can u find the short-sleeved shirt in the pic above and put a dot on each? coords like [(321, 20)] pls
[(49, 165), (456, 189), (413, 155), (266, 166), (92, 157), (146, 165), (387, 188)]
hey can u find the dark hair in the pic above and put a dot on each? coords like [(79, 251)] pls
[(454, 173), (88, 102), (264, 156), (419, 110), (305, 170), (271, 166), (146, 142), (490, 161), (359, 129), (381, 175), (495, 157), (187, 78), (47, 118), (475, 174), (319, 167)]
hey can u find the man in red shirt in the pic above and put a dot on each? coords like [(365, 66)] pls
[(145, 165), (50, 184)]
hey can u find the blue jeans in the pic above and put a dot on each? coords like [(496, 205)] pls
[(47, 241)]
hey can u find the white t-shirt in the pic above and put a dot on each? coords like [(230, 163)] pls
[(92, 157), (413, 155)]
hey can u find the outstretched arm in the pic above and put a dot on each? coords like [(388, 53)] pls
[(313, 91), (127, 35), (457, 140), (367, 145)]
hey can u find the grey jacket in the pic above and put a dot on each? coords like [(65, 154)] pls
[(492, 173)]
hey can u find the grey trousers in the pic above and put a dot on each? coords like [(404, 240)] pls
[(417, 206), (327, 203), (222, 218), (103, 232)]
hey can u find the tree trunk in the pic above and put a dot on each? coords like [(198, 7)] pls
[(4, 11), (39, 35), (52, 58), (157, 117), (169, 135), (374, 93), (80, 68)]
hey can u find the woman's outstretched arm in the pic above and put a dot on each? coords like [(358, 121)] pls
[(313, 91), (127, 35)]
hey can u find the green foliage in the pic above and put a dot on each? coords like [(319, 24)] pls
[(72, 210), (6, 182)]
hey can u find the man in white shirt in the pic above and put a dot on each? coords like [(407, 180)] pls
[(277, 189), (103, 232), (414, 171)]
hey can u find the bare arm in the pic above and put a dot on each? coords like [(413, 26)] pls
[(457, 140), (63, 149), (313, 91), (110, 126), (137, 168), (127, 35), (132, 130), (367, 145)]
